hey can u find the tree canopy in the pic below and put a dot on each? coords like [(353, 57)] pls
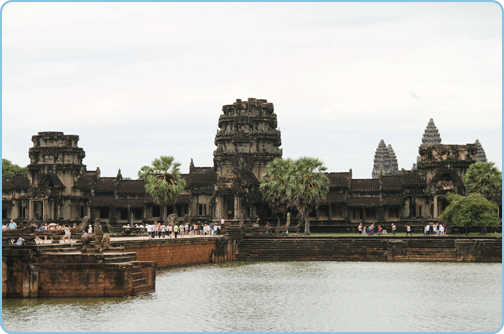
[(485, 179), (164, 183), (10, 170), (300, 184), (473, 210)]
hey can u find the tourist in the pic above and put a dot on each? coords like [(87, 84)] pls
[(216, 228), (163, 231), (4, 227), (408, 230), (359, 229), (12, 225), (170, 230), (441, 230), (195, 228), (426, 230), (90, 229), (434, 229), (393, 229), (67, 234), (211, 228), (379, 229), (149, 230), (364, 231), (175, 230), (20, 241), (186, 229)]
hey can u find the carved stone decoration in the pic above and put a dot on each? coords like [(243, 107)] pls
[(385, 161), (480, 155), (247, 138), (431, 134)]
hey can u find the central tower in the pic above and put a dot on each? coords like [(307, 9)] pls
[(247, 137)]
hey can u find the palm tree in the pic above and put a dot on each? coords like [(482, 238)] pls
[(300, 184), (163, 184), (311, 186), (275, 185), (484, 178)]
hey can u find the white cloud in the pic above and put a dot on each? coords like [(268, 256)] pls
[(342, 76)]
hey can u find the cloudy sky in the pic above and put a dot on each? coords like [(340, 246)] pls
[(139, 80)]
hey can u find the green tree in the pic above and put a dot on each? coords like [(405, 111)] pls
[(485, 179), (10, 170), (164, 183), (300, 184), (473, 210), (275, 185)]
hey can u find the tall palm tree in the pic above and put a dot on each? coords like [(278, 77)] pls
[(484, 178), (275, 185), (164, 183), (300, 184), (311, 186)]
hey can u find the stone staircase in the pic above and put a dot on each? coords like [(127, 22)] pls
[(67, 254)]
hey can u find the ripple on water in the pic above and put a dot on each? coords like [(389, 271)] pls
[(286, 296)]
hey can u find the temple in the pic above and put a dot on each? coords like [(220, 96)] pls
[(59, 188)]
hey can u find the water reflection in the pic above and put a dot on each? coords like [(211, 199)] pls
[(286, 296)]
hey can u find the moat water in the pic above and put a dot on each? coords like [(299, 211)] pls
[(285, 296)]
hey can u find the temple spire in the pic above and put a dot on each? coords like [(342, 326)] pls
[(431, 134), (480, 154)]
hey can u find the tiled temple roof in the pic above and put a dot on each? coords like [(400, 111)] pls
[(105, 184), (391, 183), (86, 180), (413, 179), (131, 187), (133, 203), (208, 177), (335, 197), (338, 180), (365, 185), (364, 201), (19, 181), (102, 201), (392, 199)]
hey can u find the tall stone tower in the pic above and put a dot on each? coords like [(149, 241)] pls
[(480, 155), (247, 138), (385, 161), (54, 153), (431, 134)]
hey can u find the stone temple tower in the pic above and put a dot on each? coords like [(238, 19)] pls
[(385, 161), (431, 134), (480, 155), (247, 137)]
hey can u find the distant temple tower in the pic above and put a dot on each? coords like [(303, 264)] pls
[(385, 161), (248, 137), (431, 134), (480, 155)]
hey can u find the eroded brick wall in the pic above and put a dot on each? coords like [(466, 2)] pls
[(169, 253), (442, 249)]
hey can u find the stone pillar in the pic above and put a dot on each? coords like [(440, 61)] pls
[(34, 274), (435, 206), (237, 213)]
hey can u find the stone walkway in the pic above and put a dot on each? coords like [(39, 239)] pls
[(144, 237)]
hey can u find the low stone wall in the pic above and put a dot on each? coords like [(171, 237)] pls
[(169, 253), (445, 249)]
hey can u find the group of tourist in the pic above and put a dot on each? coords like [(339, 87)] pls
[(437, 229), (369, 230), (158, 230)]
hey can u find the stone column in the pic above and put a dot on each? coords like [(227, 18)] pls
[(34, 278), (236, 207), (435, 206)]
